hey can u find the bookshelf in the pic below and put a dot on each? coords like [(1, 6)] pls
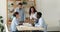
[(12, 4)]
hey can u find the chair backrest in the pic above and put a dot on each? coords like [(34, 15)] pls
[(45, 28), (6, 28)]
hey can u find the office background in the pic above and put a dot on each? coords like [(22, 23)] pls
[(49, 8)]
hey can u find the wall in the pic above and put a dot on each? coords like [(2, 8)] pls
[(3, 9), (51, 12)]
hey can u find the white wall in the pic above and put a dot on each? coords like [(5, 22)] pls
[(3, 9), (50, 10)]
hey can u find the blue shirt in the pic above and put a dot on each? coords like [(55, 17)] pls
[(21, 13), (14, 24)]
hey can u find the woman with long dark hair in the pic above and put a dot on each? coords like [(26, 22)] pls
[(32, 12)]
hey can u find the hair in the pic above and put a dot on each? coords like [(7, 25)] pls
[(20, 4), (39, 13), (15, 14), (12, 4), (30, 10)]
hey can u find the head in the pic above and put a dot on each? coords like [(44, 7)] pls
[(39, 15), (16, 14), (12, 4), (20, 5), (32, 10)]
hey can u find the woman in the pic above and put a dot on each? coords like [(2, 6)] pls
[(32, 12), (15, 22)]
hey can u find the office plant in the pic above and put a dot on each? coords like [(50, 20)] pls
[(1, 24)]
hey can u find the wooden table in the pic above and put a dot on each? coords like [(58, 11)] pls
[(26, 28)]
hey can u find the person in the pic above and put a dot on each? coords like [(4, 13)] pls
[(20, 10), (15, 22), (32, 12), (40, 21)]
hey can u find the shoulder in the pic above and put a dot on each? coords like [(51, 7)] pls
[(41, 19), (14, 18)]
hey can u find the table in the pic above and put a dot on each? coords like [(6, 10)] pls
[(26, 28)]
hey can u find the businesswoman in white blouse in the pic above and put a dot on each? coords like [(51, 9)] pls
[(32, 12)]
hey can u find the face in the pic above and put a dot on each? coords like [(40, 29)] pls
[(37, 16), (17, 15), (32, 10), (20, 6)]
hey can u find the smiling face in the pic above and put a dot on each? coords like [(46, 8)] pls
[(32, 10), (17, 16), (20, 6)]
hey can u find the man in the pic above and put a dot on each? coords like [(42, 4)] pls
[(40, 22), (20, 10)]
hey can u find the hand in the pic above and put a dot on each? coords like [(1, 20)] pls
[(20, 24)]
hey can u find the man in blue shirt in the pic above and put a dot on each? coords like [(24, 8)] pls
[(20, 10)]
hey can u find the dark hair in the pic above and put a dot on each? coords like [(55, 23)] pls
[(30, 10), (12, 4), (15, 14), (39, 14), (20, 4)]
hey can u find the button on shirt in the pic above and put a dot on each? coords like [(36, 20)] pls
[(14, 24)]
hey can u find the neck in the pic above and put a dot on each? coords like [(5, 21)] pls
[(16, 17)]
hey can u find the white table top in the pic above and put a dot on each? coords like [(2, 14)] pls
[(23, 28)]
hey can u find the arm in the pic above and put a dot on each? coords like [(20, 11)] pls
[(35, 15), (16, 10), (40, 23), (24, 14), (15, 21)]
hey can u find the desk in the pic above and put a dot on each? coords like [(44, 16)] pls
[(26, 28)]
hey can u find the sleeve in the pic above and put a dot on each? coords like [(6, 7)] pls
[(24, 14), (30, 17), (15, 10), (41, 22), (15, 21), (35, 16)]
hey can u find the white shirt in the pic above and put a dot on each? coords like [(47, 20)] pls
[(40, 23), (33, 15), (14, 24)]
